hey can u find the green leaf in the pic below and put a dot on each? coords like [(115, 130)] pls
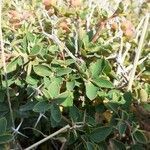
[(41, 107), (28, 106), (35, 50), (106, 67), (85, 40), (114, 95), (5, 138), (100, 134), (90, 121), (63, 71), (46, 81), (117, 145), (55, 112), (30, 37), (102, 94), (42, 70), (70, 85), (53, 49), (12, 66), (53, 122), (121, 127), (139, 136), (54, 87), (74, 113), (62, 97), (93, 48), (137, 147), (95, 68), (103, 83), (2, 147), (146, 106), (68, 101), (143, 95), (3, 125), (91, 90), (31, 80), (2, 95), (90, 146), (3, 107), (46, 93), (24, 44), (128, 100), (99, 67)]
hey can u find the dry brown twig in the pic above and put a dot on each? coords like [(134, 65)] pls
[(138, 52)]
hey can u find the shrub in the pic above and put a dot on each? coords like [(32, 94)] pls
[(74, 75)]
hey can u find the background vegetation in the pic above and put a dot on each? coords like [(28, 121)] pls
[(74, 74)]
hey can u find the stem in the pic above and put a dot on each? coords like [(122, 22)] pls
[(137, 56), (48, 137), (76, 125), (91, 8), (4, 67)]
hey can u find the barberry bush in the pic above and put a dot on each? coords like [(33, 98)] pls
[(74, 74)]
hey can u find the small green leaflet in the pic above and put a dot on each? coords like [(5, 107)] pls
[(121, 128), (91, 90), (28, 106), (140, 137), (100, 134), (68, 101), (42, 70), (41, 107), (117, 145), (55, 112), (70, 85), (2, 96), (3, 125), (65, 99), (35, 50), (74, 113), (54, 87), (95, 68), (90, 146), (46, 93), (102, 82), (63, 71), (12, 66), (31, 80)]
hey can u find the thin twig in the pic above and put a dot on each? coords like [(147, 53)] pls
[(4, 67), (138, 31), (119, 57), (39, 118), (101, 26), (48, 137), (137, 56), (76, 39), (89, 16), (54, 134)]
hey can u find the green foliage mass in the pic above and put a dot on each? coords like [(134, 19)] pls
[(70, 64)]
